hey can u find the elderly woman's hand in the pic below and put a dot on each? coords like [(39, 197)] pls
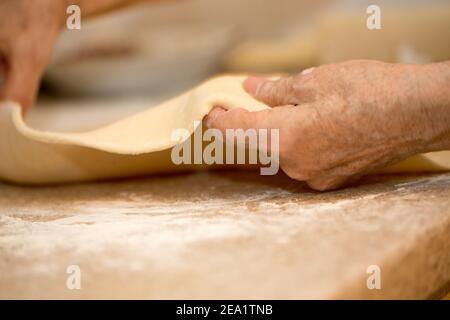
[(28, 29), (340, 121)]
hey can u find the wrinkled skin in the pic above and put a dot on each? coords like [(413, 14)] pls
[(340, 121)]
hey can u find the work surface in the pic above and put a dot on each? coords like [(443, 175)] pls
[(226, 235)]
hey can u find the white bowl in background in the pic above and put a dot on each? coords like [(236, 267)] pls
[(125, 55)]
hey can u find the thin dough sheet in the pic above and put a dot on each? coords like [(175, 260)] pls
[(136, 145)]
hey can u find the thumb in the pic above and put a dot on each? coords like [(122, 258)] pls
[(239, 118), (272, 92)]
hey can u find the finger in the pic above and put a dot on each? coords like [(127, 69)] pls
[(273, 92), (238, 118), (20, 83), (210, 118), (236, 126)]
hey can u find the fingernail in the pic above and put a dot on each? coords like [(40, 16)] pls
[(212, 115), (309, 70), (252, 84)]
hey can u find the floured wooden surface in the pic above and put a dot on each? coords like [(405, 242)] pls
[(226, 235)]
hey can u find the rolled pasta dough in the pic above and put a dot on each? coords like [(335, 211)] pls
[(136, 145)]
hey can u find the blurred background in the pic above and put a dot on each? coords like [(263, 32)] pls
[(156, 50)]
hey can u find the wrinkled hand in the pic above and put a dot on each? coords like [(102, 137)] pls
[(28, 29), (340, 121)]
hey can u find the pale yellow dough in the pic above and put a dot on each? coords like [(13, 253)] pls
[(136, 145)]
